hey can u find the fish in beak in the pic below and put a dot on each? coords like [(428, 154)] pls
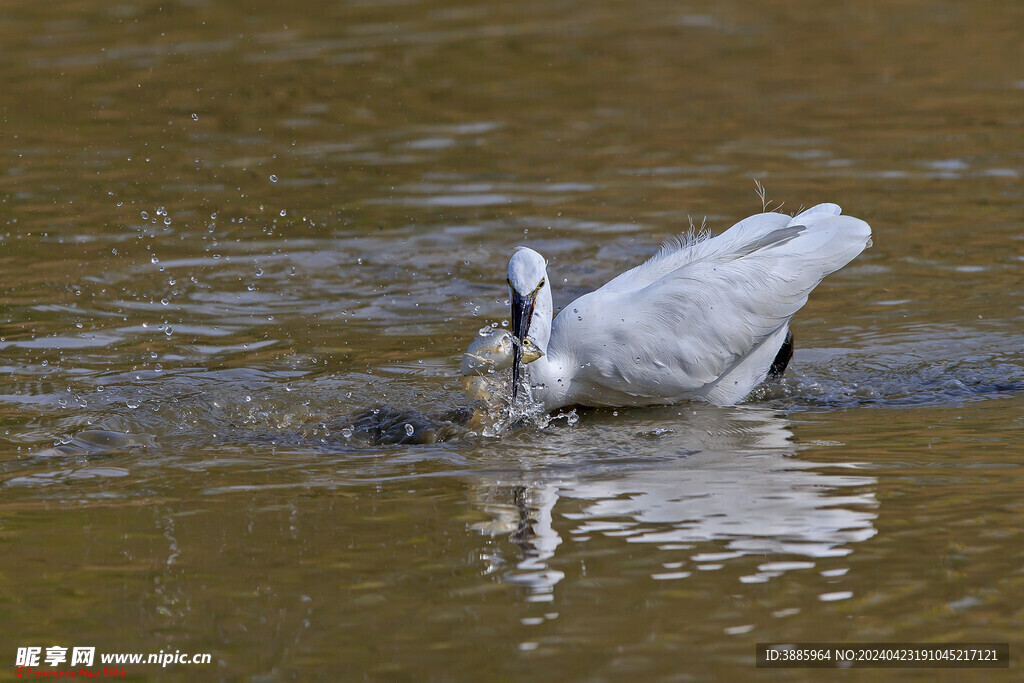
[(490, 352), (522, 314)]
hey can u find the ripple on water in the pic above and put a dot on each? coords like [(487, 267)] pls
[(928, 365)]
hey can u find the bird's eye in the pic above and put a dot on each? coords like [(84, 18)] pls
[(527, 342), (542, 281)]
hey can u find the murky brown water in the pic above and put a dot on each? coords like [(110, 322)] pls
[(225, 229)]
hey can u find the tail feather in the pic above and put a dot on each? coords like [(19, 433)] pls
[(782, 358)]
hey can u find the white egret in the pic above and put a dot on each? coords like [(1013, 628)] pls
[(703, 319)]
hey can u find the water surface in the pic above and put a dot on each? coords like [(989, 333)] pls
[(225, 231)]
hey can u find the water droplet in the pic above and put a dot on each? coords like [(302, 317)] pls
[(154, 260), (409, 429), (195, 117), (132, 403), (167, 220), (283, 212), (347, 433), (164, 302), (145, 215), (572, 418), (273, 179), (259, 272), (504, 323)]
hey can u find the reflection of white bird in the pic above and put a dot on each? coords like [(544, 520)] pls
[(703, 319), (738, 492)]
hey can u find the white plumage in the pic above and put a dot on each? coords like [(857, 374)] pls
[(702, 319)]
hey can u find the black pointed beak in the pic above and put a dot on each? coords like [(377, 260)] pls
[(522, 314)]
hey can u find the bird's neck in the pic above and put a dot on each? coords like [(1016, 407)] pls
[(540, 325), (548, 381), (548, 373)]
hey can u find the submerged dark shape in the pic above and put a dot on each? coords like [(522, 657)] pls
[(484, 368), (387, 425)]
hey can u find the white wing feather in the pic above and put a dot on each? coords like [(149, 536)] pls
[(695, 315)]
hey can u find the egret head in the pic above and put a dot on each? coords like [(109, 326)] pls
[(527, 275)]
